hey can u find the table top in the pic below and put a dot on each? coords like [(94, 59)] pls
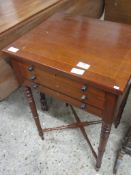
[(62, 42), (13, 12)]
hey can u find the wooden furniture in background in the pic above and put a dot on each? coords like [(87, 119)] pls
[(47, 54), (89, 8), (118, 11), (17, 18), (8, 81)]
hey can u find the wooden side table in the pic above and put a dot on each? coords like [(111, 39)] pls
[(84, 62)]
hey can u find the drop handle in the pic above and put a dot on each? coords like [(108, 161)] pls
[(30, 68), (83, 106), (84, 88), (83, 97), (33, 78)]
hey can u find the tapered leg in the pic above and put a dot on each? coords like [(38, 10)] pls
[(43, 101), (105, 132), (29, 96)]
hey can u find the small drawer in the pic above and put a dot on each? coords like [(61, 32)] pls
[(74, 89), (66, 99)]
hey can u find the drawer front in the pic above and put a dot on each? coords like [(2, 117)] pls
[(66, 99), (71, 88)]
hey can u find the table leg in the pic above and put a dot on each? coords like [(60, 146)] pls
[(105, 132), (43, 101), (30, 99), (108, 118)]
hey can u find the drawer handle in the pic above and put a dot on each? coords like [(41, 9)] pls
[(30, 68), (35, 86), (83, 106), (83, 97), (33, 78), (84, 88)]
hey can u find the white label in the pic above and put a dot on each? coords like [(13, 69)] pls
[(116, 87), (83, 65), (77, 71), (13, 49)]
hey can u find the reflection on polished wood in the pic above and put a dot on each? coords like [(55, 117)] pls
[(16, 18), (13, 12), (106, 48), (48, 53)]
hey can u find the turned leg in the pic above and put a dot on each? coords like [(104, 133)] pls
[(43, 101), (29, 96), (105, 132)]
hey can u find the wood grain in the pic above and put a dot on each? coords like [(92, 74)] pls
[(106, 48), (13, 12), (94, 96), (57, 45), (66, 99), (17, 18), (28, 20)]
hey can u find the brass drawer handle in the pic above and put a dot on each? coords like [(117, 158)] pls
[(83, 106), (35, 86), (84, 88), (30, 68), (33, 78), (83, 97)]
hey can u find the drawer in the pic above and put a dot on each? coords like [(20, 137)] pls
[(66, 99), (66, 86)]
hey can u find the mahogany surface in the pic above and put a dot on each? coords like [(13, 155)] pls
[(59, 83), (16, 18), (19, 16), (103, 45), (13, 12), (50, 51)]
